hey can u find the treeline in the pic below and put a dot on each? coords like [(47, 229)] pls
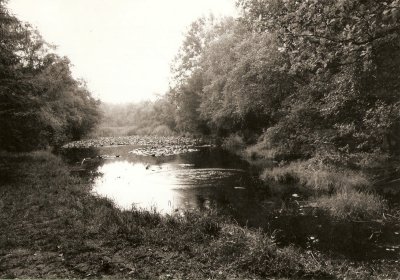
[(41, 104), (142, 118), (303, 79)]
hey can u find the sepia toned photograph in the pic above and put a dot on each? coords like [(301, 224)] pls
[(200, 139)]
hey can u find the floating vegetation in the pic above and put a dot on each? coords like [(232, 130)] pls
[(157, 141), (163, 151)]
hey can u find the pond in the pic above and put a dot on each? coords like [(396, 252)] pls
[(208, 178)]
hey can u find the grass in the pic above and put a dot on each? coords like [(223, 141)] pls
[(52, 227), (348, 197), (353, 204), (317, 176)]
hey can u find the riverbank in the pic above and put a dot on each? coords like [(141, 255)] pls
[(51, 227), (344, 193)]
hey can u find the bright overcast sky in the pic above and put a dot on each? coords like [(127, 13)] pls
[(122, 48)]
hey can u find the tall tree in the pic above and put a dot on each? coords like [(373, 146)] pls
[(187, 82), (344, 56), (41, 103)]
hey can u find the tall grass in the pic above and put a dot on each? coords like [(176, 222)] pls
[(348, 197), (319, 177), (258, 252), (353, 204)]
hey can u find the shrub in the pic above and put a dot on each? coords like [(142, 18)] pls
[(233, 143), (259, 151)]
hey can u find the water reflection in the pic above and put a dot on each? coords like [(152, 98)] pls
[(165, 186), (130, 184)]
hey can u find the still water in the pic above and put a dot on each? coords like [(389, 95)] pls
[(214, 179), (207, 178)]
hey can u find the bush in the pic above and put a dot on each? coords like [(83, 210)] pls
[(233, 143), (259, 151)]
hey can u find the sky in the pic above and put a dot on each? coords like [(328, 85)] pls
[(123, 49)]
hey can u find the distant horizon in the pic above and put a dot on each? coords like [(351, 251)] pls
[(126, 58)]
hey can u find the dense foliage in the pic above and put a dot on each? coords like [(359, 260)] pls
[(314, 79), (41, 104)]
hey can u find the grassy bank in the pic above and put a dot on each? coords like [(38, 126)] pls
[(52, 227), (343, 192)]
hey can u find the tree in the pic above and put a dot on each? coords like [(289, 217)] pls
[(187, 82), (344, 57), (247, 80), (41, 103)]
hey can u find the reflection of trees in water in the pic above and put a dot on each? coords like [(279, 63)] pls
[(308, 228), (315, 229), (75, 155), (214, 158), (83, 161)]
